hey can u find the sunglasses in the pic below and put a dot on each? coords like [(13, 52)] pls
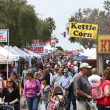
[(9, 81), (65, 72)]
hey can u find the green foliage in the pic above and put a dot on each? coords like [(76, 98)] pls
[(45, 29), (93, 16), (107, 5), (23, 23), (59, 48)]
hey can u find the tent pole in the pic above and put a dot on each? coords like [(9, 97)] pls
[(8, 52)]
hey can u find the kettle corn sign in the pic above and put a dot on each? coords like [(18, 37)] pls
[(104, 44), (83, 30)]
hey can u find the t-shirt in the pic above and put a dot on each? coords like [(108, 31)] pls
[(24, 74), (82, 83), (92, 79), (56, 79), (105, 100), (33, 70), (76, 69), (10, 96)]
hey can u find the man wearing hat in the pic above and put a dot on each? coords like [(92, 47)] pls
[(82, 87)]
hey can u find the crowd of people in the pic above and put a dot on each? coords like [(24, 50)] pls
[(38, 85)]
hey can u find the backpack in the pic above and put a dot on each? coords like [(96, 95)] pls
[(97, 92)]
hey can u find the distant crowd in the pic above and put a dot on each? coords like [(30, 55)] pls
[(55, 84)]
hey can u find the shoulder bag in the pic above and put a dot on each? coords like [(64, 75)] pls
[(37, 90)]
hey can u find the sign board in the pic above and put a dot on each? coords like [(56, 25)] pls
[(37, 43), (3, 35), (83, 30), (53, 41), (46, 50), (36, 49), (104, 44)]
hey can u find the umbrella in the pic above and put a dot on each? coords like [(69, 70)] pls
[(80, 57)]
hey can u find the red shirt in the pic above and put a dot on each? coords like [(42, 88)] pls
[(105, 100), (71, 64)]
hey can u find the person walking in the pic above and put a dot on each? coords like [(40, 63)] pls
[(11, 94), (46, 92), (56, 79), (64, 83), (104, 103), (82, 88), (94, 77), (30, 92), (13, 75), (24, 76), (71, 93), (47, 76)]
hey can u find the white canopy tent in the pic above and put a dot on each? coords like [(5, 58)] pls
[(91, 53), (3, 60), (21, 52), (28, 56), (34, 54), (6, 53), (48, 47), (12, 50)]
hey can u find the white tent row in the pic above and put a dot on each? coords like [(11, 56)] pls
[(50, 49), (12, 50), (6, 53), (15, 50), (15, 53), (22, 52), (3, 60), (34, 54), (90, 53)]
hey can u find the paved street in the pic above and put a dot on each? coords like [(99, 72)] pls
[(39, 108)]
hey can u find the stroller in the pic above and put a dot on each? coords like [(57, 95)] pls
[(58, 92), (6, 106), (92, 103)]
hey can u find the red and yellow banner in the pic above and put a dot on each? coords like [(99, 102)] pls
[(104, 44)]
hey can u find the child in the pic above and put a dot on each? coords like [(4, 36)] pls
[(54, 105)]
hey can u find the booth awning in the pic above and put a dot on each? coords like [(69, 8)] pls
[(3, 60)]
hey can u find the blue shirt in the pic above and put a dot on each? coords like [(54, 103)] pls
[(65, 81), (76, 69)]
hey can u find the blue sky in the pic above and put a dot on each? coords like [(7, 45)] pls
[(61, 11)]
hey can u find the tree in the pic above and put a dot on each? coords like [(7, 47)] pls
[(23, 23), (20, 19), (51, 24), (107, 5), (45, 29), (59, 48), (93, 16)]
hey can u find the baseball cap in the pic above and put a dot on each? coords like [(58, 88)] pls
[(85, 65), (14, 70)]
